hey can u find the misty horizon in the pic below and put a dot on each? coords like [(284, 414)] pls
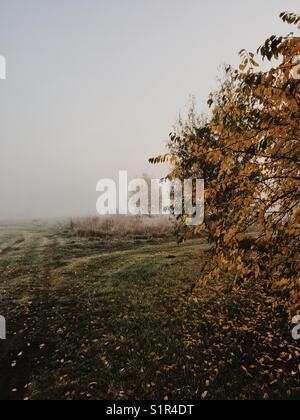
[(95, 87)]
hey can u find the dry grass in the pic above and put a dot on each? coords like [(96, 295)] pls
[(124, 227)]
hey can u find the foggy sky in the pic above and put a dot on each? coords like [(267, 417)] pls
[(94, 87)]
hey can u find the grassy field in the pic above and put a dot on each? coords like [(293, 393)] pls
[(95, 319)]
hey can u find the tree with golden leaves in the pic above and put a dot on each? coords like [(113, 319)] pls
[(248, 152)]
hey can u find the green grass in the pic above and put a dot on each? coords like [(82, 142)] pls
[(95, 319)]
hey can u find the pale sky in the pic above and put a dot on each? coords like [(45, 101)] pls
[(95, 86)]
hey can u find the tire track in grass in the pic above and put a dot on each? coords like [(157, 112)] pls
[(25, 348)]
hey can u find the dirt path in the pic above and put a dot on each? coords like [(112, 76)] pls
[(25, 348)]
